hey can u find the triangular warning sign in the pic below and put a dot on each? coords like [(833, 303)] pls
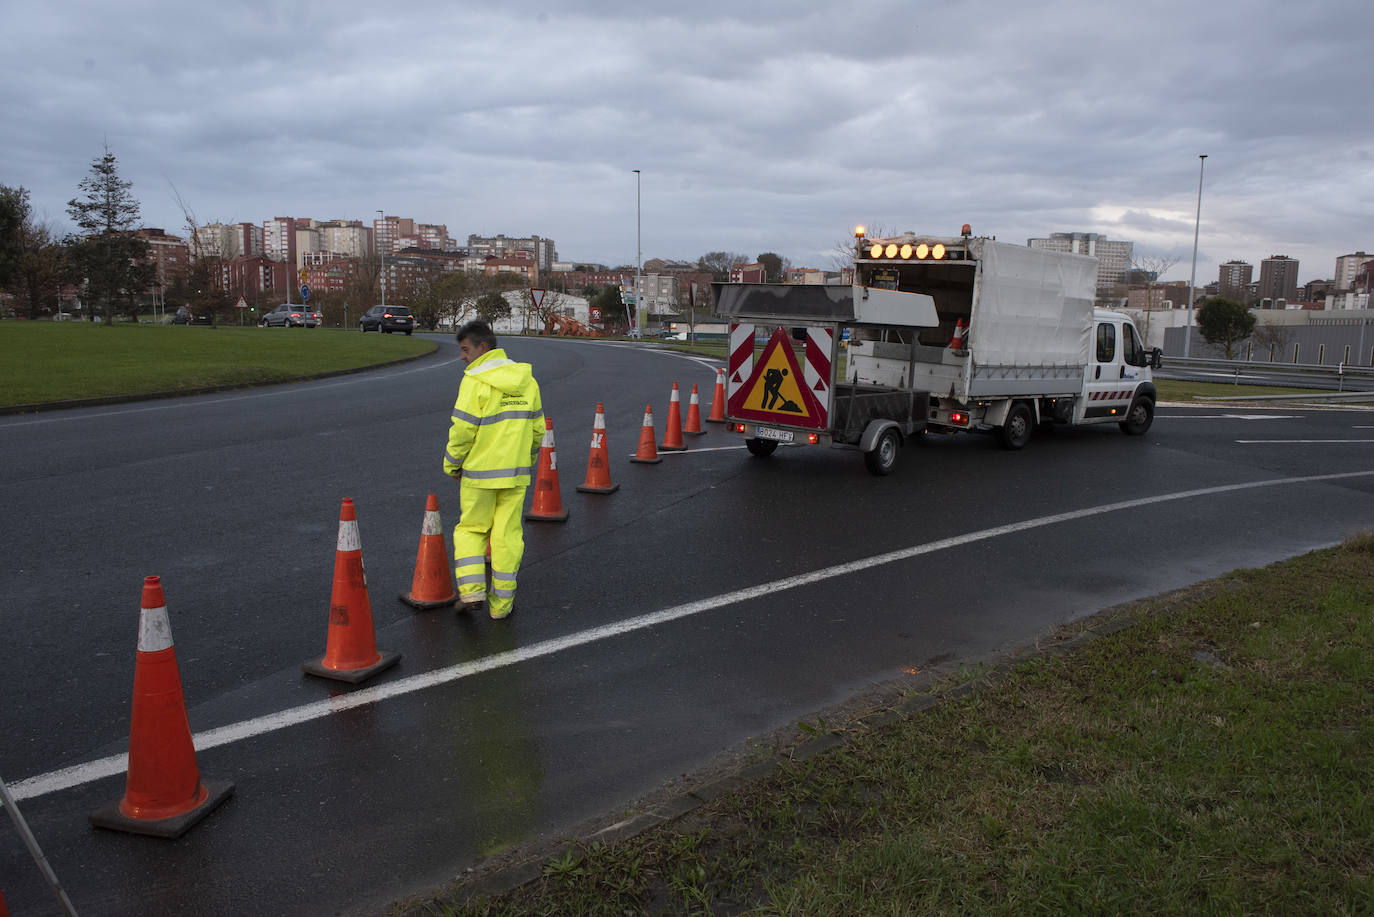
[(775, 392)]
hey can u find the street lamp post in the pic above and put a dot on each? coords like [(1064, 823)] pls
[(1192, 278), (634, 322), (381, 251)]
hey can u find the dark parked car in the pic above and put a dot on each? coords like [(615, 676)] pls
[(184, 317), (387, 319), (292, 315)]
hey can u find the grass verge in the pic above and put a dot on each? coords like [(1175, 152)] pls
[(45, 361), (1212, 756)]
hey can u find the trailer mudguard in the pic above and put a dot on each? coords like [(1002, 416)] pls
[(875, 429)]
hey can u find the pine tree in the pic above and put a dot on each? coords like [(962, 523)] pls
[(106, 254)]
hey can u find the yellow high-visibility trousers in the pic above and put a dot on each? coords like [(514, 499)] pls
[(489, 515)]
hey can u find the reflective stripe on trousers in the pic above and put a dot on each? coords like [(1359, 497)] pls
[(489, 516)]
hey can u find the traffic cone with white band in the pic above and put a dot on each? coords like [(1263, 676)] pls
[(672, 427), (163, 793), (598, 459), (547, 505), (646, 454), (432, 585), (956, 341), (718, 399), (693, 425), (351, 652)]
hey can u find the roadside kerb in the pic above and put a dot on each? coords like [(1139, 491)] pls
[(880, 706)]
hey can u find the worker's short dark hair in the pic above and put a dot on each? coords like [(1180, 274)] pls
[(478, 332)]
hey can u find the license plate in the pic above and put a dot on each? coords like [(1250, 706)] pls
[(782, 436)]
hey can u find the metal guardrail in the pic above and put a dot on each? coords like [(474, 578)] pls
[(1297, 374)]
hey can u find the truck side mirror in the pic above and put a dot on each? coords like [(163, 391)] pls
[(1156, 358)]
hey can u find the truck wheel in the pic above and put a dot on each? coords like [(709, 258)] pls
[(760, 447), (882, 458), (1016, 431), (1139, 418)]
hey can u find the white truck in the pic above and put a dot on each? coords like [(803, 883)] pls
[(939, 335)]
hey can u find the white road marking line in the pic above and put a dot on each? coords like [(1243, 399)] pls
[(663, 452), (79, 774), (191, 401), (1230, 416), (1298, 442)]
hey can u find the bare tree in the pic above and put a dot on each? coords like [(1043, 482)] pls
[(1157, 267), (1273, 338)]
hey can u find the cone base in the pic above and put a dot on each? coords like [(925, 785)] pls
[(546, 517), (663, 448), (110, 817), (352, 676), (693, 432), (423, 605), (645, 461), (589, 489)]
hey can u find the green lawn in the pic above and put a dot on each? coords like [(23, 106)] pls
[(1211, 756), (45, 361)]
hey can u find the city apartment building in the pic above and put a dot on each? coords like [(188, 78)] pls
[(520, 262), (387, 233), (1113, 257), (1278, 280), (748, 273), (279, 239), (1347, 267), (1232, 279), (228, 240), (169, 255), (329, 274), (249, 275), (544, 251), (349, 237)]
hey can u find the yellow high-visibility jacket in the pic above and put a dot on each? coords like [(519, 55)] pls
[(498, 424)]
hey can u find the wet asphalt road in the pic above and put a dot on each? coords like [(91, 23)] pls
[(233, 500)]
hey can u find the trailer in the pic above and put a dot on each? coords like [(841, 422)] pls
[(937, 335)]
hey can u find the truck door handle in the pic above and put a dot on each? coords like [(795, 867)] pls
[(1123, 373), (1097, 373)]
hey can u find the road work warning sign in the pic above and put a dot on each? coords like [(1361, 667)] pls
[(774, 392)]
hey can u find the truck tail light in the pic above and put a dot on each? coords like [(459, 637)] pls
[(813, 438), (958, 417), (737, 428)]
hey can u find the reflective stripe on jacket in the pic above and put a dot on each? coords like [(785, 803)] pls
[(498, 423)]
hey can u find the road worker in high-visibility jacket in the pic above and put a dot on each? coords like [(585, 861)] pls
[(493, 448)]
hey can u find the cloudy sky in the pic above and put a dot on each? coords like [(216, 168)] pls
[(759, 126)]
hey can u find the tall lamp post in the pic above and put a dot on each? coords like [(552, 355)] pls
[(634, 322), (1192, 278), (381, 251)]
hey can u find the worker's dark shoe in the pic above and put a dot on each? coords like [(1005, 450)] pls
[(471, 605)]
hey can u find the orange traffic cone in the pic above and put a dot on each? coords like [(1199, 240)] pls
[(718, 399), (432, 585), (547, 505), (693, 425), (672, 427), (350, 652), (598, 461), (647, 454), (163, 793), (956, 341)]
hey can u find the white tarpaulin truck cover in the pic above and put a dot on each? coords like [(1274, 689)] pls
[(1034, 308)]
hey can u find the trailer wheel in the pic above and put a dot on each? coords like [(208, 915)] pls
[(882, 458), (760, 447), (1139, 417), (1015, 432)]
